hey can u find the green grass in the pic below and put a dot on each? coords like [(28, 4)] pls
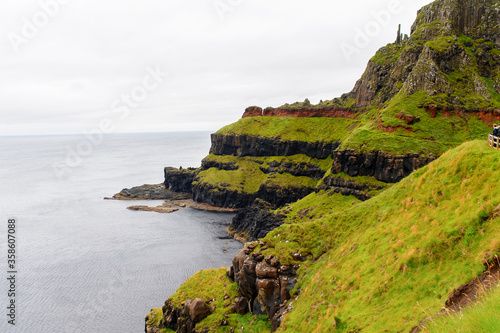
[(298, 129), (482, 317), (388, 54), (383, 263), (317, 205)]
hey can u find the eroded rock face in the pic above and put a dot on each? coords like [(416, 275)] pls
[(384, 167), (263, 283), (245, 145), (474, 18)]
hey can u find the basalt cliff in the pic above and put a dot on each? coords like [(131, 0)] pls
[(364, 213)]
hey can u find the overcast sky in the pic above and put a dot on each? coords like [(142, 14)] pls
[(176, 65)]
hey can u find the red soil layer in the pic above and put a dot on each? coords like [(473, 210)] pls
[(488, 116), (301, 112)]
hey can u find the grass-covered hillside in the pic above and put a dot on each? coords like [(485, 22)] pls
[(385, 264), (389, 262)]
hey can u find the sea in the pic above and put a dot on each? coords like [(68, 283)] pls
[(87, 265)]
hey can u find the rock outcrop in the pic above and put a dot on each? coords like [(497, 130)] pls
[(183, 319), (149, 192), (474, 18), (245, 145), (414, 65), (263, 283), (179, 180)]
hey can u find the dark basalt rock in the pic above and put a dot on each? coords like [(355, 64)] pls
[(384, 167), (245, 145), (256, 220), (207, 164), (179, 180), (149, 192), (221, 197), (183, 319), (295, 169)]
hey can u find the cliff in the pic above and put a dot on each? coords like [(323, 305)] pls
[(365, 205)]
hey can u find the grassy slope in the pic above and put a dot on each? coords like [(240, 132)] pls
[(386, 262), (383, 264)]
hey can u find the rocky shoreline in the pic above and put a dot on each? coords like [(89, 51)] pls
[(175, 200)]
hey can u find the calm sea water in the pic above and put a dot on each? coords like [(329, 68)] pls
[(90, 265)]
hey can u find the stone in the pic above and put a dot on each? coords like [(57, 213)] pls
[(197, 310), (240, 305), (264, 270)]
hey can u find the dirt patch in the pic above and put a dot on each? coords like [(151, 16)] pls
[(468, 293)]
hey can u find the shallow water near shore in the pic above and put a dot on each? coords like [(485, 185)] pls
[(90, 265)]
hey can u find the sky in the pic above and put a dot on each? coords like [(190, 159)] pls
[(76, 66)]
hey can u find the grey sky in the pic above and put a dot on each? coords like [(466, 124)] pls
[(220, 55)]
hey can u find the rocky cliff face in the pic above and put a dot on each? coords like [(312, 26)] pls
[(256, 221), (384, 167), (244, 145), (448, 37), (218, 196), (474, 18), (179, 180)]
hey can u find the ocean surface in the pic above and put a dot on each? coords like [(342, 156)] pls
[(85, 264)]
